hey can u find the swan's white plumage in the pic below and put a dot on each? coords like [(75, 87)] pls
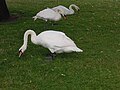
[(55, 41), (66, 10), (48, 14)]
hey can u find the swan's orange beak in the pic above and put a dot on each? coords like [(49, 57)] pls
[(20, 53)]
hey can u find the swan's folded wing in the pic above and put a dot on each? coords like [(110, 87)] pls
[(47, 13), (58, 41)]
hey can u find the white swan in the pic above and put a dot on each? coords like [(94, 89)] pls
[(55, 41), (49, 14), (66, 10)]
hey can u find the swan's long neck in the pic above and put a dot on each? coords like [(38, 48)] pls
[(71, 9), (33, 37)]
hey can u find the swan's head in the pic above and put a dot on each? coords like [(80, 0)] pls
[(21, 50), (62, 12)]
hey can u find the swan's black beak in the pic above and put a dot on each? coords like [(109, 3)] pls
[(20, 53), (78, 10)]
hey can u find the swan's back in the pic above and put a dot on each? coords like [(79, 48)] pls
[(56, 41), (66, 10), (56, 38), (60, 6), (48, 14)]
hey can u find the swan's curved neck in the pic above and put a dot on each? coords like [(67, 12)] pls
[(33, 37), (71, 9)]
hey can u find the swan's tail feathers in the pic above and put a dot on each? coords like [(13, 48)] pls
[(78, 50), (72, 49), (48, 8), (35, 17)]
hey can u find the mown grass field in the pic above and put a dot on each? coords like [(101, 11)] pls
[(95, 29)]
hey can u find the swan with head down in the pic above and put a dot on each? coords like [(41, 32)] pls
[(55, 41), (49, 14)]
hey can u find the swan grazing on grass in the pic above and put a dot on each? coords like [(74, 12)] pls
[(49, 14), (55, 41), (66, 10)]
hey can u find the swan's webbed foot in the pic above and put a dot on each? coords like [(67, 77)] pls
[(51, 56)]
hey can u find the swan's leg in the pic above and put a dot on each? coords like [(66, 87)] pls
[(48, 25), (51, 56), (45, 25), (53, 23)]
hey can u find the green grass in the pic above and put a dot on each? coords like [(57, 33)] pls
[(95, 29)]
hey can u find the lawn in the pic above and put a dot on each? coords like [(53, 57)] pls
[(95, 29)]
